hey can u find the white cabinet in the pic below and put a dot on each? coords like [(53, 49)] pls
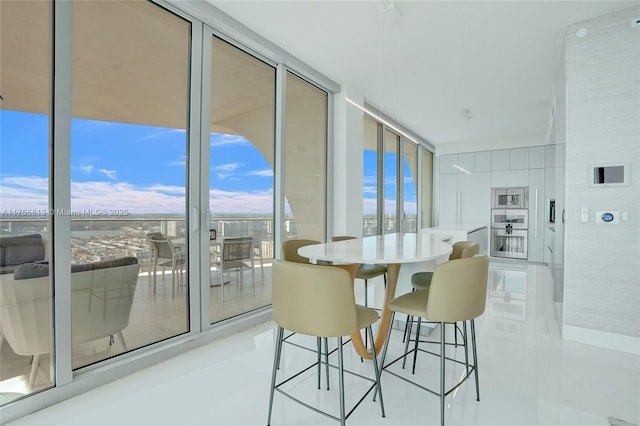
[(446, 163), (467, 162), (519, 159), (509, 178), (448, 207), (482, 161), (500, 160), (537, 220), (475, 198), (465, 198), (537, 157)]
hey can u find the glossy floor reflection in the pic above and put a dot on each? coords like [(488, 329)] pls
[(528, 376)]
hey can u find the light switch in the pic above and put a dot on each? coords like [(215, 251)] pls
[(584, 214)]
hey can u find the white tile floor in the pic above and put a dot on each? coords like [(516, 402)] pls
[(528, 376)]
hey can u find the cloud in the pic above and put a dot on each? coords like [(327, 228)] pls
[(111, 174), (180, 163), (24, 192), (33, 193), (85, 168), (370, 190), (262, 173), (241, 201), (370, 206), (169, 189), (229, 167), (162, 133), (371, 180), (220, 139)]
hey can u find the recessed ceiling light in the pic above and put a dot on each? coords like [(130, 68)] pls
[(582, 32), (466, 113)]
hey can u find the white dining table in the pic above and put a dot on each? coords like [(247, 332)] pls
[(392, 250)]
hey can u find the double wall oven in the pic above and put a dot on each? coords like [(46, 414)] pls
[(509, 222)]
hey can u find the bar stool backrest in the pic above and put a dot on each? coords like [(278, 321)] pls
[(458, 290), (314, 300), (290, 250)]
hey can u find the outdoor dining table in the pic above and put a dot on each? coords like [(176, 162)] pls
[(393, 250)]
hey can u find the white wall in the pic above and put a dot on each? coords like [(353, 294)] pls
[(602, 262), (347, 165)]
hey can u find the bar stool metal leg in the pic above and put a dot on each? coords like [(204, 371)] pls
[(442, 359), (276, 360), (475, 358)]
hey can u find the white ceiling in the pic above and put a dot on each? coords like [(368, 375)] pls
[(422, 62)]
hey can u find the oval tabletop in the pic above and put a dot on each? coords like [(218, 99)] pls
[(390, 249), (386, 249)]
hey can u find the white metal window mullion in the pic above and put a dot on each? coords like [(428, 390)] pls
[(279, 163), (60, 196), (198, 183)]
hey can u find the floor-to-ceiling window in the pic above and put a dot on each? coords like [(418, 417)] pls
[(409, 186), (426, 188), (26, 327), (242, 144), (130, 98), (128, 88), (370, 191), (391, 175), (391, 180), (305, 147)]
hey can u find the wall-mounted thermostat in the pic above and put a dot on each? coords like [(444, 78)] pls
[(607, 217)]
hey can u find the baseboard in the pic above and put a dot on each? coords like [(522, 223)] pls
[(603, 339)]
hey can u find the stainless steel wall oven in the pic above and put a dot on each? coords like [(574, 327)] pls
[(509, 222)]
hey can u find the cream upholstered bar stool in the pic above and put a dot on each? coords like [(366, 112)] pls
[(290, 254), (458, 292), (422, 280), (461, 249), (365, 271), (318, 301)]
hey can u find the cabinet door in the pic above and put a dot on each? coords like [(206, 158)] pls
[(537, 202), (446, 163), (519, 158), (474, 198), (448, 208), (482, 161)]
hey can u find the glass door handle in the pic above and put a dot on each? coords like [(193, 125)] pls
[(195, 220)]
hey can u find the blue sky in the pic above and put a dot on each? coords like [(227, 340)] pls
[(139, 168), (370, 184), (143, 169)]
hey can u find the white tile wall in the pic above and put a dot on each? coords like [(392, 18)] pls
[(602, 262)]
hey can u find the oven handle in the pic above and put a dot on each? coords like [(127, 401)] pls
[(536, 233)]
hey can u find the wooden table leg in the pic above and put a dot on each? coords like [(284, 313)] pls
[(385, 321)]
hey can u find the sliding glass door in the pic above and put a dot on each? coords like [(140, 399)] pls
[(105, 187), (26, 300), (241, 198), (128, 177)]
